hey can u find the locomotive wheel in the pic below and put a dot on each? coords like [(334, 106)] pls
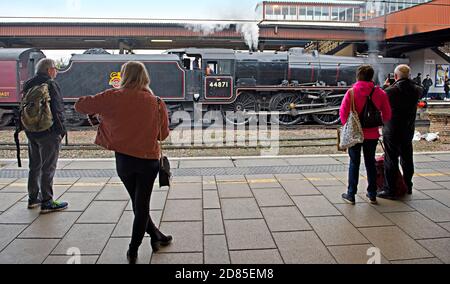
[(237, 112), (282, 103), (331, 118), (75, 122), (6, 119), (73, 118)]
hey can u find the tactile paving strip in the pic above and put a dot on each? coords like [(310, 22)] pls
[(15, 173)]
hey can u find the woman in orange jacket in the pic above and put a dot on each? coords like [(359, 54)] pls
[(132, 122)]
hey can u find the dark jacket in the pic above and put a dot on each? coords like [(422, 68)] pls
[(56, 103), (404, 96), (418, 80), (427, 84)]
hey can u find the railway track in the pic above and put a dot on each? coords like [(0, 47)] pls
[(419, 123), (255, 144), (307, 142)]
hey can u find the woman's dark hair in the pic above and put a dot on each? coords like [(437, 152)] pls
[(365, 73)]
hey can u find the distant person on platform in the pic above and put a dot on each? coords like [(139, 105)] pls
[(447, 89), (427, 84), (418, 79), (44, 147), (398, 133)]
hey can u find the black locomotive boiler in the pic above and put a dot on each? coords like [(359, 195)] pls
[(296, 85)]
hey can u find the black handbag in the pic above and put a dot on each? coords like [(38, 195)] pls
[(165, 175), (371, 115)]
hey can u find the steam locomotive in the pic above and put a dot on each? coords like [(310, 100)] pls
[(295, 85)]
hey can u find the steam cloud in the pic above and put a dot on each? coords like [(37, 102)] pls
[(372, 36), (250, 31)]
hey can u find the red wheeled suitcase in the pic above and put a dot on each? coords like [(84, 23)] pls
[(400, 189)]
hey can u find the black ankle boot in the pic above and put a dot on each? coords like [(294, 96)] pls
[(132, 256), (159, 240)]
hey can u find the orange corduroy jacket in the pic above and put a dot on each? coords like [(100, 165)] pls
[(131, 122)]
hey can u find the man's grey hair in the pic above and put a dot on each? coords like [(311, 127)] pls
[(44, 64), (403, 71)]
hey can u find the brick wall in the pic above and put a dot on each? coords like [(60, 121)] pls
[(440, 122)]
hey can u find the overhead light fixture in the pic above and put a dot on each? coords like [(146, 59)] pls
[(161, 40)]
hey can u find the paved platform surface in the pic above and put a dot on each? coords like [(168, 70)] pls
[(231, 210)]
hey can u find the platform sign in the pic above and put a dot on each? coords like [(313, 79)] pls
[(218, 88)]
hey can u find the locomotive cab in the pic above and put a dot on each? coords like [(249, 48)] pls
[(211, 72)]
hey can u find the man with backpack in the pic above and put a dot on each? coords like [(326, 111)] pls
[(398, 133), (41, 117)]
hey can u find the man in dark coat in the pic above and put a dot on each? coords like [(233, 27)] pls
[(427, 84), (398, 133)]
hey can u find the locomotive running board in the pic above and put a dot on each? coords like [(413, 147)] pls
[(314, 111), (294, 112)]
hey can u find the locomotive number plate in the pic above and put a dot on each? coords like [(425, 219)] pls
[(218, 88)]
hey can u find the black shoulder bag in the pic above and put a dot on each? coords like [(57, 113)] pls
[(371, 115), (165, 175)]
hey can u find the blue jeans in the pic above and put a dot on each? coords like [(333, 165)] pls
[(369, 147)]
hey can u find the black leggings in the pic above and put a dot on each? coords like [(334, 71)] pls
[(138, 176)]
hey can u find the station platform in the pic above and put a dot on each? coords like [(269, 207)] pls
[(231, 210)]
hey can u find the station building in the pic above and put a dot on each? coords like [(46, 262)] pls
[(371, 13)]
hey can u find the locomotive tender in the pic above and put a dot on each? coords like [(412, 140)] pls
[(296, 85)]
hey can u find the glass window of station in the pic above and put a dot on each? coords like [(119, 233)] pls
[(377, 8), (300, 11), (339, 11)]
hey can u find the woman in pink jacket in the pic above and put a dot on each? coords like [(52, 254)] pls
[(362, 90)]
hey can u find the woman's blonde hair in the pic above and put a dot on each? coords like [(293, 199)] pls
[(134, 76)]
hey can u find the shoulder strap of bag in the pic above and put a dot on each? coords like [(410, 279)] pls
[(352, 95), (17, 142), (371, 93), (160, 126)]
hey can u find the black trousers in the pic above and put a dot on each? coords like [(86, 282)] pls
[(138, 176), (398, 147)]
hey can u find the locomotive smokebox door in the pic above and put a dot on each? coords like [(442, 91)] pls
[(218, 88)]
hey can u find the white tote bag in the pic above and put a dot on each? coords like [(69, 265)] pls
[(351, 133)]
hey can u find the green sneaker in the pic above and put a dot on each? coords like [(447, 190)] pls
[(53, 206)]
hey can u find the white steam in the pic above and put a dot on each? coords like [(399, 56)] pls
[(249, 31)]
